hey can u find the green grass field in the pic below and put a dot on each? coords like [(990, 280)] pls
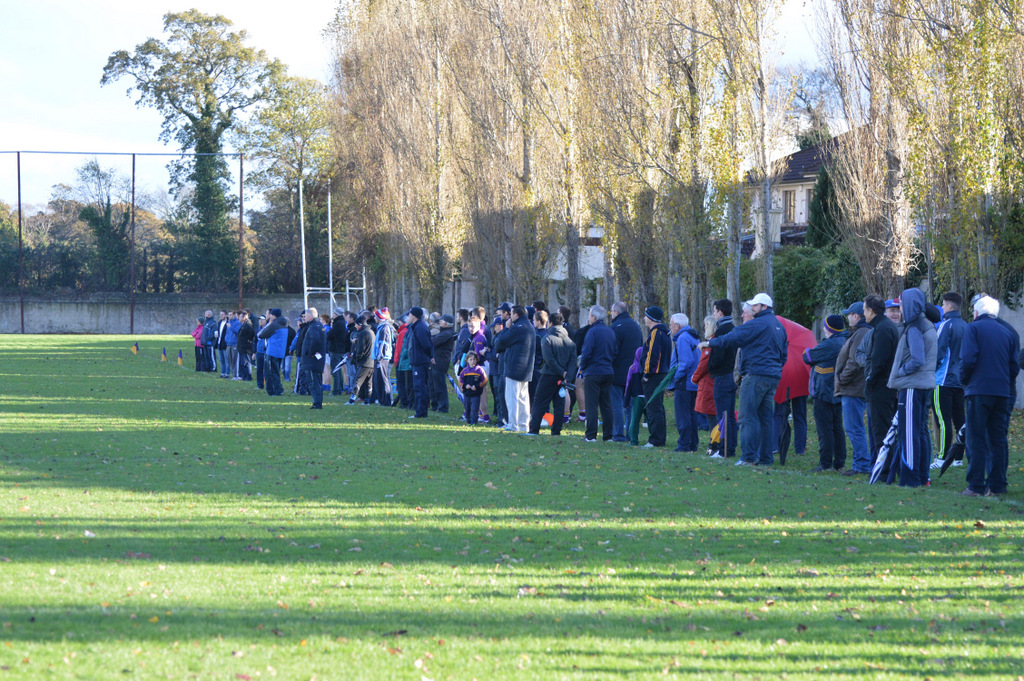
[(156, 523)]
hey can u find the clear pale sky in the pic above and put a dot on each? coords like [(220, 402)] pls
[(53, 52)]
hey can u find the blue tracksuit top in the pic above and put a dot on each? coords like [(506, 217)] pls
[(764, 343), (951, 334)]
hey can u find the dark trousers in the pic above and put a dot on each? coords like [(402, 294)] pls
[(828, 417), (316, 386), (405, 391), (798, 433), (337, 375), (881, 409), (546, 394), (420, 390), (598, 391), (261, 363), (243, 366), (656, 419), (273, 376), (914, 439), (498, 392), (361, 388), (686, 419), (439, 388), (988, 420), (200, 358), (211, 358), (949, 415), (725, 404), (472, 409), (382, 382)]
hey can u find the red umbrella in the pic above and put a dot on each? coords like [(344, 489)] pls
[(795, 374)]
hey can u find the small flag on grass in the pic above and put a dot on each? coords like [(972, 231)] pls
[(181, 360), (134, 349), (163, 355)]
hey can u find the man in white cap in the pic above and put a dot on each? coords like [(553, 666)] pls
[(764, 343)]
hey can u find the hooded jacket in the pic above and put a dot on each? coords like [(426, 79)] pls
[(276, 335), (384, 342), (705, 382), (764, 342), (559, 354), (338, 341), (917, 349), (244, 337), (517, 344), (686, 357), (849, 374), (951, 334)]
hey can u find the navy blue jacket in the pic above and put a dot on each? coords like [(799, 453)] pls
[(599, 348), (421, 348), (630, 337), (764, 342), (517, 344), (988, 358), (722, 361), (951, 334), (822, 358)]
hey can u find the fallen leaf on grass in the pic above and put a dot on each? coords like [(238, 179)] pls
[(89, 535), (243, 677), (395, 651), (277, 632), (980, 524), (397, 632), (490, 485), (801, 627), (808, 572)]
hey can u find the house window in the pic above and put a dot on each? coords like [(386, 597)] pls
[(789, 207)]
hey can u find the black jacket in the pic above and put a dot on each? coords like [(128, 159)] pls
[(444, 343), (657, 356), (629, 337), (884, 339), (580, 337), (338, 341), (362, 348), (559, 353), (517, 343), (246, 335), (314, 342), (722, 361)]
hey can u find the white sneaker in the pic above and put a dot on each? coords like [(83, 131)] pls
[(936, 464), (958, 463), (648, 446), (716, 455)]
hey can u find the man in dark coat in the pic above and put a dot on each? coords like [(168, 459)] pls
[(764, 348), (338, 345), (244, 346), (312, 356), (517, 344), (848, 380), (362, 359), (629, 337), (557, 367), (596, 367), (444, 345), (421, 356), (881, 400), (828, 408), (989, 355)]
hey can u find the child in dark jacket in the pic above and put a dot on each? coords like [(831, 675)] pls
[(472, 380)]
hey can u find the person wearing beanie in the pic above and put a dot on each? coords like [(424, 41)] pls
[(656, 360), (421, 356), (828, 409), (383, 353), (849, 389), (765, 346)]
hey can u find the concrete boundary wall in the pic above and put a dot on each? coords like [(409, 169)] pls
[(154, 313)]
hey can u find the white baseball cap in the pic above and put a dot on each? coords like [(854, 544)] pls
[(761, 299)]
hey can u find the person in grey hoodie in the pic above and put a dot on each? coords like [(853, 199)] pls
[(913, 376)]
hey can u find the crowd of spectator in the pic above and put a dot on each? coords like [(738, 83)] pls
[(880, 366)]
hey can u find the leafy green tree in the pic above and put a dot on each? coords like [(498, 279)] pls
[(200, 79), (823, 216)]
